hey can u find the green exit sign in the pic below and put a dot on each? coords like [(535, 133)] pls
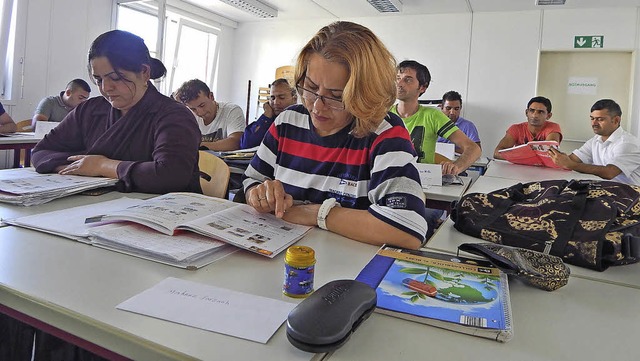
[(588, 41)]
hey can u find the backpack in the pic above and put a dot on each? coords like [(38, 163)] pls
[(592, 224)]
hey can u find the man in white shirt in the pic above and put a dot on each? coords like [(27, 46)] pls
[(612, 153), (221, 124)]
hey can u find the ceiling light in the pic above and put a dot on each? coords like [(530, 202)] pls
[(387, 6), (550, 2), (253, 7)]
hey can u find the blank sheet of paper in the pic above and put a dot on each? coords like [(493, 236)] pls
[(211, 308)]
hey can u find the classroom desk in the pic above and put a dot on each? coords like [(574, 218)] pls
[(17, 143), (527, 173), (480, 165), (585, 320), (75, 287), (440, 197)]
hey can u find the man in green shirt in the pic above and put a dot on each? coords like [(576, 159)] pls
[(425, 123)]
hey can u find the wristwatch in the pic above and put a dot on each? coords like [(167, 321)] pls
[(324, 210)]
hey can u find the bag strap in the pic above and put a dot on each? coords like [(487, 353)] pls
[(578, 205)]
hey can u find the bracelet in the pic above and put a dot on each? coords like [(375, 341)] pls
[(324, 210)]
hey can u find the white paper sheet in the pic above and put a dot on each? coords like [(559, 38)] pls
[(211, 308), (446, 149), (430, 174)]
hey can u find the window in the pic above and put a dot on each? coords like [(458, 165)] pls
[(7, 41), (190, 48)]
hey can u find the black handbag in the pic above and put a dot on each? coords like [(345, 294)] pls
[(537, 269), (593, 224)]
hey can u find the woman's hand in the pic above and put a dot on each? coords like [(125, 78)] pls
[(91, 165), (269, 196)]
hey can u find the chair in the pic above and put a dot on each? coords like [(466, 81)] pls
[(24, 126), (214, 175), (439, 158)]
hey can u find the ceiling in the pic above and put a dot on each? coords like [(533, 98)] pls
[(306, 9)]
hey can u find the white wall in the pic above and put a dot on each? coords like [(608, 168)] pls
[(490, 58)]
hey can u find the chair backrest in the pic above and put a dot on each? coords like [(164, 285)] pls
[(214, 175), (24, 126)]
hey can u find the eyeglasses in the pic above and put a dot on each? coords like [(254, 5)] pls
[(328, 101)]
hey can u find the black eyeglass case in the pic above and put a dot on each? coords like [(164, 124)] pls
[(325, 320)]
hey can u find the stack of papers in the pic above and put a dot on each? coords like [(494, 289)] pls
[(26, 187)]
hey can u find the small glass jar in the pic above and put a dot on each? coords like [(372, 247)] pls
[(299, 264)]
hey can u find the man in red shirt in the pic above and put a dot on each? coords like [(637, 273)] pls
[(537, 126)]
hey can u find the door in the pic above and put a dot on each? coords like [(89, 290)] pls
[(574, 80)]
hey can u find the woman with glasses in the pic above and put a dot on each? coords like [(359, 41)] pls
[(133, 133), (340, 160)]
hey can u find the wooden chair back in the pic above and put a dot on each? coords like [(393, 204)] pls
[(214, 175), (24, 126)]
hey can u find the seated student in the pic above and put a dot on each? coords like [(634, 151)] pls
[(54, 108), (133, 133), (537, 126), (451, 106), (281, 96), (426, 123), (612, 153), (221, 124), (7, 125), (340, 159)]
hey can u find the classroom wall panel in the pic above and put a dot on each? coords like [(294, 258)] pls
[(502, 74), (441, 42), (264, 47)]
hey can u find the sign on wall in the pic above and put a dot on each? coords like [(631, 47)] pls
[(588, 41), (580, 85)]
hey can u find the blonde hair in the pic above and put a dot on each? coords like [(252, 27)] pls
[(370, 90)]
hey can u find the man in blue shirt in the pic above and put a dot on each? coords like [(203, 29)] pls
[(281, 95), (451, 107)]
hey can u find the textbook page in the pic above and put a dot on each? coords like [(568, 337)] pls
[(244, 227), (70, 222), (166, 212), (211, 308), (185, 249)]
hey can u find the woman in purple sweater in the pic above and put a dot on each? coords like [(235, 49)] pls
[(133, 133)]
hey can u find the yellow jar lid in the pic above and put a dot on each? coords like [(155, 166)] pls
[(300, 256)]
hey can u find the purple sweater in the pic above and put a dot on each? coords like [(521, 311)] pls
[(157, 142)]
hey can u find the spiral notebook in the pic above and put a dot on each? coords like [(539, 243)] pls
[(456, 293)]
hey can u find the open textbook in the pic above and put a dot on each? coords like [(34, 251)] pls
[(233, 223), (186, 250), (24, 186), (532, 153), (455, 293)]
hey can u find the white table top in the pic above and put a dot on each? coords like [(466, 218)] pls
[(584, 320), (76, 287), (20, 138), (526, 173)]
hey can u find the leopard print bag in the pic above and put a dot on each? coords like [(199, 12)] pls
[(592, 224)]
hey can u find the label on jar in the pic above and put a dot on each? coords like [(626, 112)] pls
[(298, 281)]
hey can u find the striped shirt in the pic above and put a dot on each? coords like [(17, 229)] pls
[(376, 172)]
